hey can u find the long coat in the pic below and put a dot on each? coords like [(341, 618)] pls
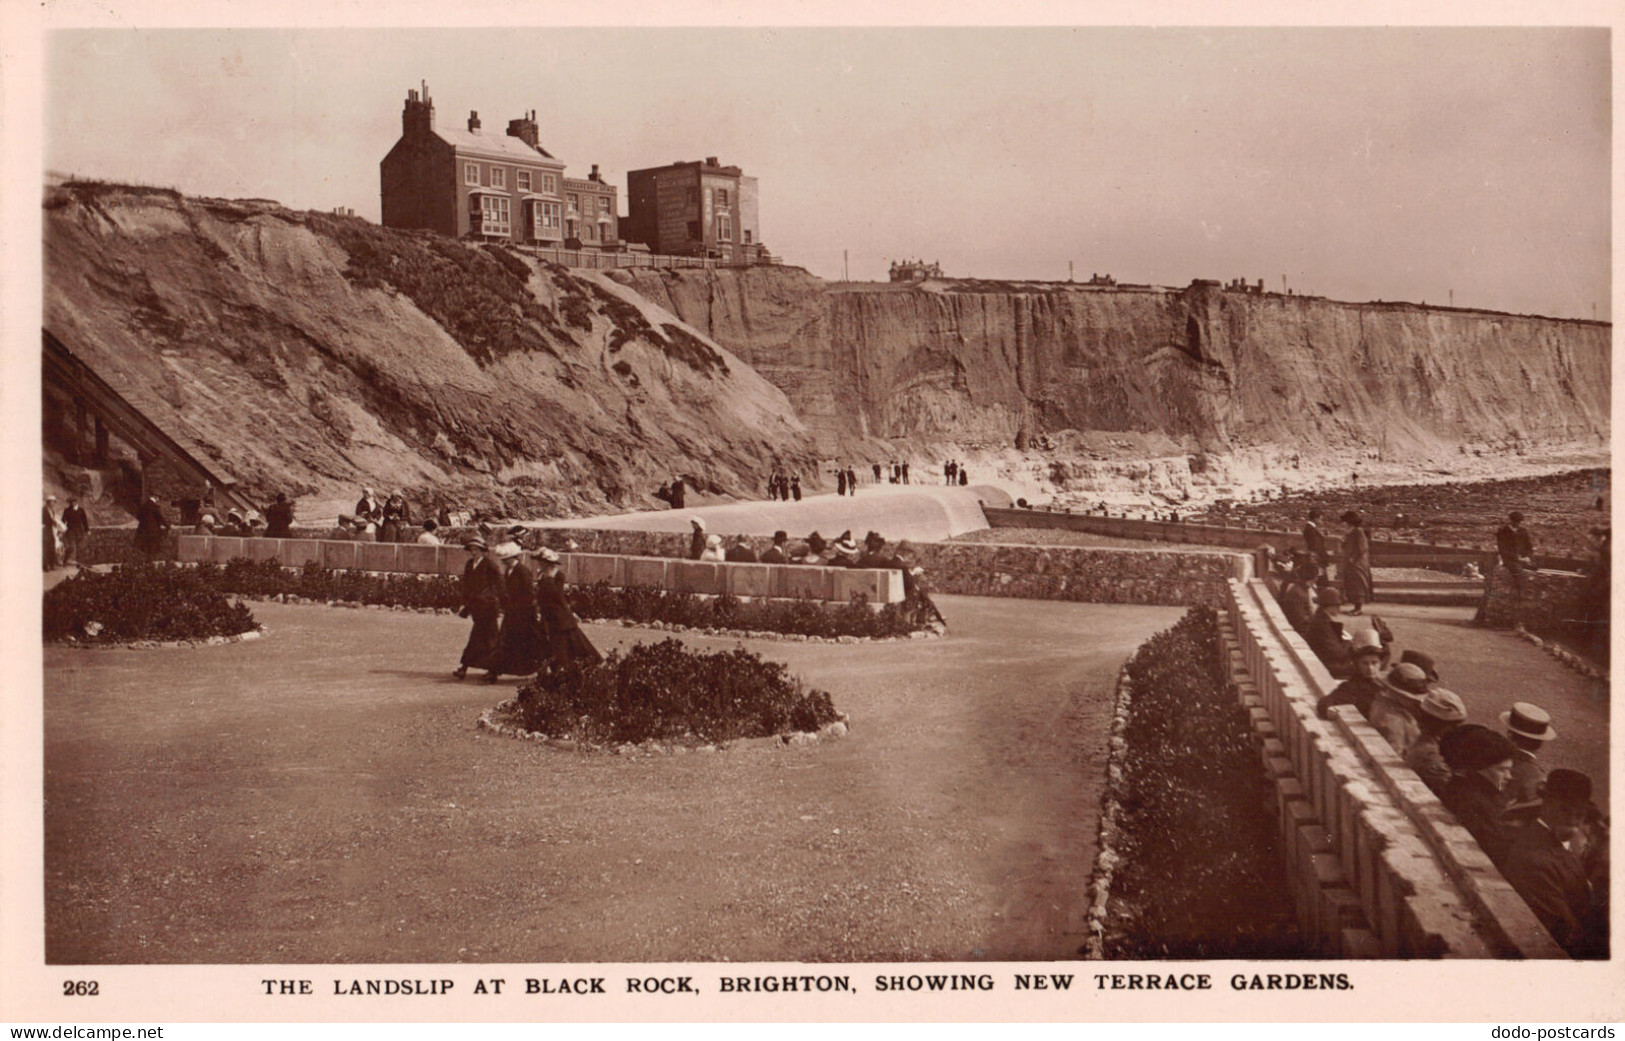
[(482, 602), (1314, 543), (1552, 881), (1357, 566), (561, 631), (519, 642)]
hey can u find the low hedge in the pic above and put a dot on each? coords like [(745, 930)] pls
[(667, 692), (1200, 874), (142, 602), (639, 604)]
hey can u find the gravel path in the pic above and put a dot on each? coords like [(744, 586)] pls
[(323, 796)]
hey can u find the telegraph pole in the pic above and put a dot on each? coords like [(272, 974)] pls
[(846, 274)]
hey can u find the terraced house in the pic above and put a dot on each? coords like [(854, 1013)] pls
[(467, 182)]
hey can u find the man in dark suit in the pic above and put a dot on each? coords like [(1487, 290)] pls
[(1515, 548), (1314, 540), (740, 552), (279, 517), (150, 526), (76, 528), (775, 554), (1552, 861)]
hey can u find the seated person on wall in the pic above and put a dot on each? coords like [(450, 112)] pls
[(713, 549), (1439, 712), (775, 554), (1528, 727), (1297, 600), (740, 552), (1553, 862), (844, 552), (813, 555), (1364, 684), (1325, 634), (875, 554), (1423, 661), (1480, 762)]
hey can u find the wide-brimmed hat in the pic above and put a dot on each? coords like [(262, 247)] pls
[(547, 556), (517, 531), (698, 522), (1472, 747), (476, 544), (1366, 641), (1423, 661), (1329, 596), (712, 541), (1351, 517), (1443, 705), (1408, 680), (1531, 721), (507, 551), (874, 538), (816, 542)]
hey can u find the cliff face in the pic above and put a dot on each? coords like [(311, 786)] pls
[(983, 365), (316, 354)]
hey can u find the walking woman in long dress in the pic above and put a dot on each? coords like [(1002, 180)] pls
[(519, 643), (562, 637), (482, 601), (1356, 562)]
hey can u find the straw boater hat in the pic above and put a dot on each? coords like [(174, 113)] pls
[(508, 551), (475, 544), (1529, 721)]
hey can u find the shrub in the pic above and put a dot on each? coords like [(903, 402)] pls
[(668, 692), (1201, 875), (141, 602)]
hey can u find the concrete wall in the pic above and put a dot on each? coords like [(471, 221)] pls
[(688, 576), (1381, 868)]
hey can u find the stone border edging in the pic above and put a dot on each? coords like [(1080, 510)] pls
[(935, 631), (1107, 858), (488, 721), (149, 645), (1567, 657)]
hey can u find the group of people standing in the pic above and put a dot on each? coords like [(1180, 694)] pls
[(953, 472), (64, 532), (522, 621), (1541, 829), (783, 487)]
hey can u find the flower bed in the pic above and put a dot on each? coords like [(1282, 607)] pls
[(141, 603), (1198, 874), (666, 692), (598, 602)]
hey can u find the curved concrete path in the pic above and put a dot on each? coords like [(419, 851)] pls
[(921, 512)]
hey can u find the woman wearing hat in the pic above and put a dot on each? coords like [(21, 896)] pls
[(1364, 685), (1325, 634), (562, 637), (397, 518), (1356, 571), (696, 540), (814, 556), (1529, 727), (519, 641), (1437, 714), (1481, 763), (845, 552), (1396, 706), (482, 601), (713, 549)]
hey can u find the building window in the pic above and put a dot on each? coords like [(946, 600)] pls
[(603, 204), (499, 177), (494, 215), (725, 227), (575, 202), (550, 217), (746, 233), (722, 196), (550, 184), (471, 173), (522, 179), (589, 233)]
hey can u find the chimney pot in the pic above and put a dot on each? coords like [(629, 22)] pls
[(711, 160), (473, 120)]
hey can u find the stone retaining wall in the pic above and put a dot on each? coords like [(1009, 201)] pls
[(1548, 600), (1382, 868), (1384, 552)]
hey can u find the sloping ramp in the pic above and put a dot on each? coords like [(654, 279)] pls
[(921, 512), (66, 372)]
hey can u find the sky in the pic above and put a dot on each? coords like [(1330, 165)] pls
[(1354, 163)]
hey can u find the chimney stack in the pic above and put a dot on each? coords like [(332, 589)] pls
[(418, 116), (525, 130), (473, 122), (594, 175), (711, 160)]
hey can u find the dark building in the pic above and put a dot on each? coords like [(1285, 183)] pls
[(465, 181), (695, 209)]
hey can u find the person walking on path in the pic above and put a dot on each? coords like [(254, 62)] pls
[(696, 538), (519, 640), (482, 602), (76, 528), (1356, 569), (279, 517), (150, 526), (905, 471), (840, 482), (795, 488), (562, 639)]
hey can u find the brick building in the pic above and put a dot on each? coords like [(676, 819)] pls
[(499, 187), (695, 209)]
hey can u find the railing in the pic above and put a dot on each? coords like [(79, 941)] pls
[(600, 260)]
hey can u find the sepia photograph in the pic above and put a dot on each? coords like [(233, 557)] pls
[(933, 512)]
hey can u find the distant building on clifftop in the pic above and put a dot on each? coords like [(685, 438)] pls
[(498, 187), (695, 209), (914, 270)]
